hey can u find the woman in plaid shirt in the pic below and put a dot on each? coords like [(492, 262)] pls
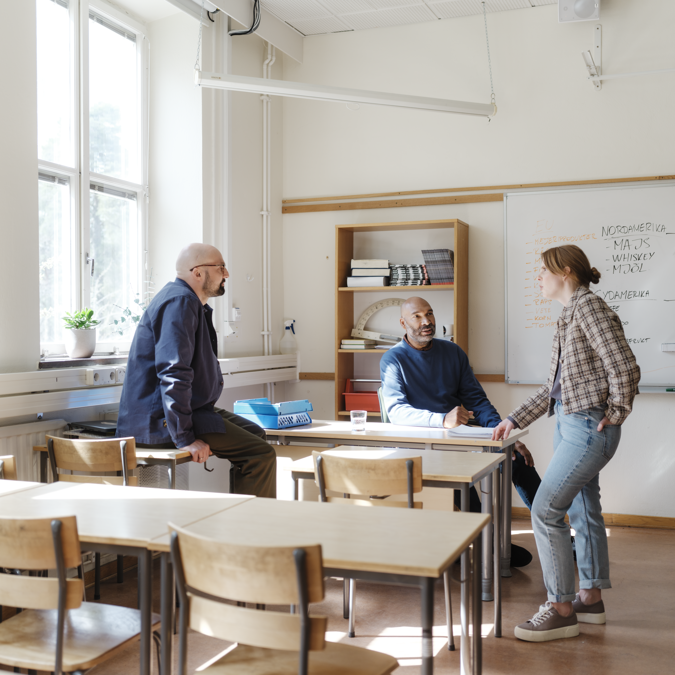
[(591, 386)]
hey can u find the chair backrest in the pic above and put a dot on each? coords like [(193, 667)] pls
[(209, 572), (369, 477), (39, 544), (383, 408), (8, 467), (93, 456)]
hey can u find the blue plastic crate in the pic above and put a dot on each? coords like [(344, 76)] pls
[(274, 415)]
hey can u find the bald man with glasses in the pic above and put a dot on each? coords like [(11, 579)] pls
[(173, 379)]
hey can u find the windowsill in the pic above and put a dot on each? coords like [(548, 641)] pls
[(95, 360)]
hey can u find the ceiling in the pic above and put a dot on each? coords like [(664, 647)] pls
[(146, 10), (313, 17)]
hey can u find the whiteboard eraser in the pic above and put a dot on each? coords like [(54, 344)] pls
[(668, 346)]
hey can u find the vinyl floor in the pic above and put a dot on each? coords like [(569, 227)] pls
[(639, 636)]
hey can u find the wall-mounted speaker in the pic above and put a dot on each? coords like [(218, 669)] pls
[(578, 10)]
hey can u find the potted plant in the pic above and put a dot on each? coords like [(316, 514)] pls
[(80, 333)]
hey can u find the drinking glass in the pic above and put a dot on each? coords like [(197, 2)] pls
[(358, 418)]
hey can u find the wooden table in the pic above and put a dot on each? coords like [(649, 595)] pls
[(144, 457), (423, 438), (399, 546), (8, 487), (121, 520), (452, 470)]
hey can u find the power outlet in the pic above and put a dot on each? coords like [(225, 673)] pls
[(120, 374), (96, 376)]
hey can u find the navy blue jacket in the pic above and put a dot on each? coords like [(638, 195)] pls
[(420, 387), (173, 377)]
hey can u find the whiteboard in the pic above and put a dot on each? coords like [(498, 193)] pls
[(628, 234)]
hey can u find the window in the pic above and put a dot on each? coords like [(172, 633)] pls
[(92, 166)]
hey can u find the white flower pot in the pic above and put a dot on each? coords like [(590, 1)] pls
[(80, 344)]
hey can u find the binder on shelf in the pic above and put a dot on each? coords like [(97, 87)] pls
[(371, 272), (356, 264), (362, 282), (440, 264)]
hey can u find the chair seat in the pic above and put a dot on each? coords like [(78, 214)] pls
[(92, 633), (335, 658)]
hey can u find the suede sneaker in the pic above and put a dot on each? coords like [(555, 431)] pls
[(547, 625), (594, 613)]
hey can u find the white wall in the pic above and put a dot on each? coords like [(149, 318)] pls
[(19, 300), (245, 221), (175, 162), (552, 125)]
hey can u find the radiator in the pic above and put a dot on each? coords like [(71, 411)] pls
[(18, 440)]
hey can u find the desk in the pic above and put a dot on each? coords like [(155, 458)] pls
[(423, 438), (8, 487), (122, 520), (144, 457), (399, 546), (453, 470)]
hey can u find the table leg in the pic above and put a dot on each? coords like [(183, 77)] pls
[(168, 604), (427, 626), (296, 488), (44, 458), (506, 514), (464, 659), (486, 507), (477, 610), (171, 468), (145, 585), (497, 522)]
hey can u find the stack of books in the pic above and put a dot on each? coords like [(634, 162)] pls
[(440, 263), (358, 344), (369, 273), (409, 275)]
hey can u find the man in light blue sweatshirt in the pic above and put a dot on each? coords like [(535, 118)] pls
[(429, 383)]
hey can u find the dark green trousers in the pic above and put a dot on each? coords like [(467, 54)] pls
[(254, 461)]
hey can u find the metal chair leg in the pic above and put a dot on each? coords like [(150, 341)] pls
[(97, 576), (352, 594), (158, 645), (448, 610), (345, 598)]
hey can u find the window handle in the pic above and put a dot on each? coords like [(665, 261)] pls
[(90, 260)]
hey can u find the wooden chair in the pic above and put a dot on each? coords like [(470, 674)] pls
[(8, 467), (56, 632), (269, 642), (383, 408), (94, 457), (371, 480)]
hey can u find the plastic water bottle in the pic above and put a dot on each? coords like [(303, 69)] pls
[(288, 344)]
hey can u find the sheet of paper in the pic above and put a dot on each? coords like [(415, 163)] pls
[(471, 432)]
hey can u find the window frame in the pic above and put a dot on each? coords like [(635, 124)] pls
[(79, 175)]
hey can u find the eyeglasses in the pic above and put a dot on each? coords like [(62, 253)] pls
[(221, 265)]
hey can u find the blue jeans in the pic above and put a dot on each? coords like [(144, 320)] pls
[(571, 486)]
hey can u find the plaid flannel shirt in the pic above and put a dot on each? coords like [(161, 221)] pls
[(598, 366)]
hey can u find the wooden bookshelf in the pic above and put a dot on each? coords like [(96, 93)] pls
[(457, 240), (398, 289)]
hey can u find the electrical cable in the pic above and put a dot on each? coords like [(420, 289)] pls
[(254, 25)]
